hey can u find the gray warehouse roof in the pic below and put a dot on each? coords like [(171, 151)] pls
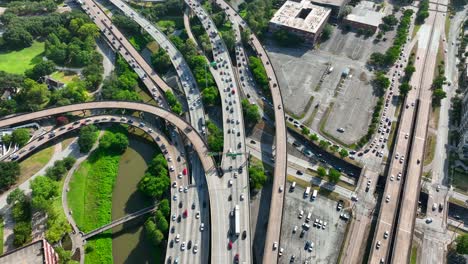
[(364, 14)]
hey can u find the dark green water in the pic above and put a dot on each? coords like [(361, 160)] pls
[(129, 244)]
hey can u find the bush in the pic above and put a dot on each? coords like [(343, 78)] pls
[(257, 176), (333, 175), (87, 138), (10, 172), (321, 171), (175, 105), (258, 72), (250, 111)]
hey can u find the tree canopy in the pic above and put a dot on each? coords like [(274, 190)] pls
[(10, 172)]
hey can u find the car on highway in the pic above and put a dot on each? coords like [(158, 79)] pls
[(182, 246), (195, 248), (387, 199), (230, 245)]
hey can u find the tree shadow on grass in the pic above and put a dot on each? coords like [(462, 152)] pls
[(36, 59)]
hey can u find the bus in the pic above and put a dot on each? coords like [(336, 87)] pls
[(237, 220)]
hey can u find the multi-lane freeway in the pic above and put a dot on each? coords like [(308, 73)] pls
[(396, 217), (230, 232)]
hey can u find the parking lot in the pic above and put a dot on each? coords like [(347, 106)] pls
[(326, 242), (303, 75)]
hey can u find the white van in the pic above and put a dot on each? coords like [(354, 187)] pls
[(309, 215), (307, 192), (293, 186), (314, 194)]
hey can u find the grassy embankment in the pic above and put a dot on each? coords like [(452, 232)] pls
[(21, 60), (35, 163), (90, 198)]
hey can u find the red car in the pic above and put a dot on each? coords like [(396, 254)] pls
[(233, 91), (184, 171), (230, 244), (185, 214)]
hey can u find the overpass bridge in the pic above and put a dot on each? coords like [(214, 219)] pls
[(120, 221)]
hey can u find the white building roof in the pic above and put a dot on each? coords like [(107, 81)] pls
[(303, 16)]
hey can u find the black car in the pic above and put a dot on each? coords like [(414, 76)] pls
[(189, 245), (179, 218), (240, 170), (180, 204), (230, 168), (193, 206), (230, 197), (302, 234), (172, 229), (244, 234), (171, 244)]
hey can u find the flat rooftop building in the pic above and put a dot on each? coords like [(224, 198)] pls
[(37, 252), (336, 6), (363, 16), (301, 18)]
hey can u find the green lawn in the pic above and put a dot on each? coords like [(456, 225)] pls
[(414, 255), (65, 77), (34, 163), (90, 199), (20, 61)]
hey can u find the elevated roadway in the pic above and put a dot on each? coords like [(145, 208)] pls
[(196, 140), (232, 189), (196, 117), (410, 143), (423, 78), (270, 255)]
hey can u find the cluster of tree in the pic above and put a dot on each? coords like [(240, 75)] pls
[(70, 40), (380, 82), (18, 137), (258, 14), (21, 31), (21, 212), (423, 12), (333, 175), (405, 87), (258, 72), (374, 123), (35, 96), (201, 36), (126, 24), (60, 167), (257, 176), (10, 172), (161, 61), (389, 22), (157, 226), (200, 69), (326, 32), (392, 54), (23, 8), (250, 111), (156, 180), (122, 84), (286, 39), (74, 45), (41, 69), (158, 10), (438, 92), (87, 138), (114, 142), (44, 190), (175, 105), (215, 137)]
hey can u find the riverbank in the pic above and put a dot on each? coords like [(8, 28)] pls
[(90, 199)]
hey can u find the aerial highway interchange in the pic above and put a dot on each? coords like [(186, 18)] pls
[(216, 215)]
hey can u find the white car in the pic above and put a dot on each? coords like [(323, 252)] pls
[(174, 217), (174, 184), (182, 246), (275, 245), (197, 215), (242, 197), (230, 183), (387, 199), (171, 168), (195, 248), (177, 238), (202, 226), (185, 189), (181, 189), (385, 235), (174, 197)]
